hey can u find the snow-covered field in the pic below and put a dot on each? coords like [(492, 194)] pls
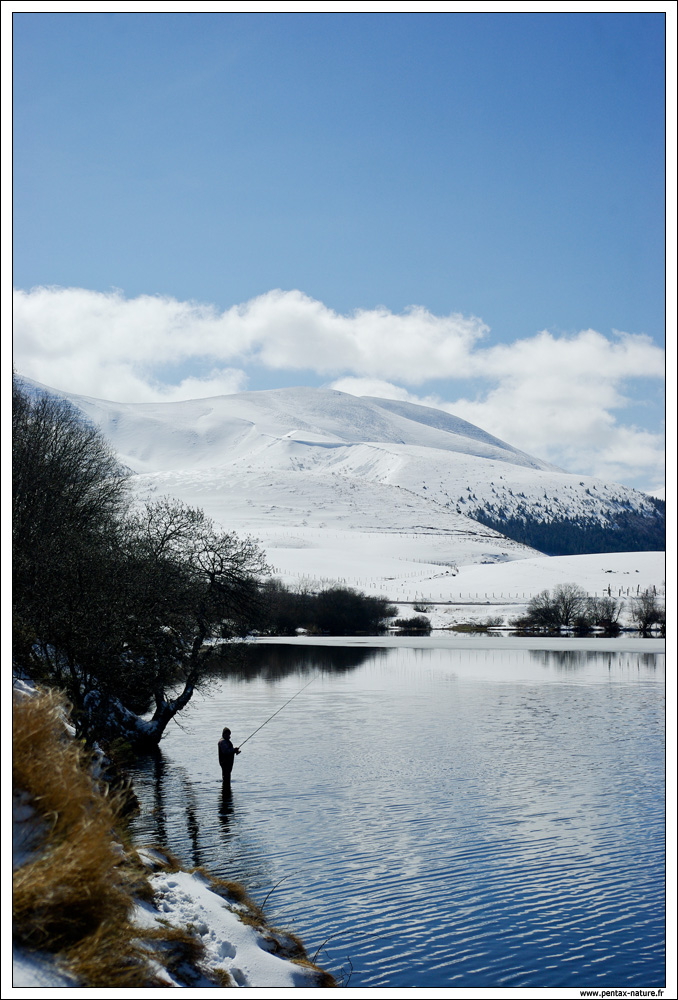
[(413, 575)]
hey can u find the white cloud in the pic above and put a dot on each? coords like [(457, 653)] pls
[(104, 345), (567, 419), (376, 387), (555, 397), (83, 341), (558, 398)]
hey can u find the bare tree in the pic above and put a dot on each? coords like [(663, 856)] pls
[(570, 602), (186, 583), (68, 491), (647, 612), (541, 613), (64, 475), (558, 609), (604, 612), (117, 608)]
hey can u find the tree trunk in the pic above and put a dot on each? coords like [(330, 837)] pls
[(108, 717)]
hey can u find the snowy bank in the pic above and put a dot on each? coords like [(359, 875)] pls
[(214, 947), (238, 949)]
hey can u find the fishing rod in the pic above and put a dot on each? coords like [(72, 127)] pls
[(279, 710)]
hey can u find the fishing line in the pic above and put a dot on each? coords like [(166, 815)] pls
[(279, 710)]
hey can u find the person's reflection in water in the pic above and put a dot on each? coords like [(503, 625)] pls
[(226, 808)]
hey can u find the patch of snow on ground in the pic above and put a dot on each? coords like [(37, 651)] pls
[(185, 899), (38, 971)]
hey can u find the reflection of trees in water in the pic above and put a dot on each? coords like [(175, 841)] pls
[(198, 821), (577, 659), (272, 662), (149, 777), (155, 784)]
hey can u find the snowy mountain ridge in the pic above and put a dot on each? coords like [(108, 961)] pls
[(316, 470), (247, 421)]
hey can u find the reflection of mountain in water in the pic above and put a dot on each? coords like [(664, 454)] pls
[(274, 662), (577, 659)]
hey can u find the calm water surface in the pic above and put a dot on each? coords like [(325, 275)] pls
[(462, 815)]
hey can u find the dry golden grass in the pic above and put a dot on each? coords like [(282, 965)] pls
[(45, 761), (325, 979), (177, 949), (76, 895), (251, 919), (223, 978), (113, 955), (233, 891)]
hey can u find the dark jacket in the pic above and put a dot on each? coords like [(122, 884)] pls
[(226, 755)]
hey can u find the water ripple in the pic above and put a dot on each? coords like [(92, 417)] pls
[(442, 819)]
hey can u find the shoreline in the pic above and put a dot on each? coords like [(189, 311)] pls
[(457, 640)]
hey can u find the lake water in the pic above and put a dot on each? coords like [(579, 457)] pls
[(461, 813)]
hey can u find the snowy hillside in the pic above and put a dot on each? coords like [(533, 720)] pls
[(373, 492), (320, 425)]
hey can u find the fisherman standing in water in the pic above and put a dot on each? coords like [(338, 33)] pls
[(227, 754)]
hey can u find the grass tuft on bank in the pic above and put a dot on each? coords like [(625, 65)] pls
[(74, 893)]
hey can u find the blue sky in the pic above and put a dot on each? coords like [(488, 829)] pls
[(502, 173)]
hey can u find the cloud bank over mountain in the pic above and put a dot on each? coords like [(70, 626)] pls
[(557, 396)]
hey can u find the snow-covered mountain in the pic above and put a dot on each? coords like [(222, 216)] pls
[(325, 478)]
